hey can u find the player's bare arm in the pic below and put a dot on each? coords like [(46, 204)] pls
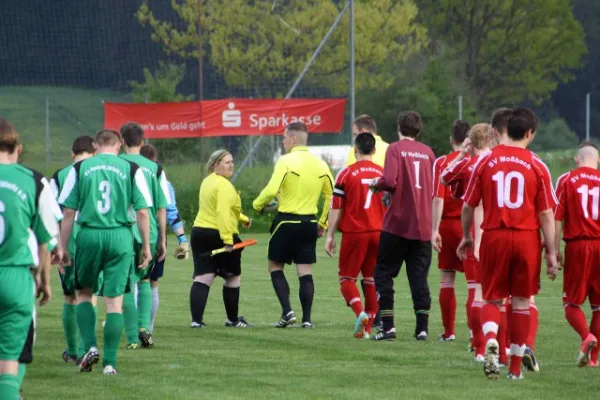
[(334, 220), (437, 208), (143, 224), (327, 192), (478, 218), (557, 238), (161, 215), (466, 243), (43, 290), (548, 230), (65, 234)]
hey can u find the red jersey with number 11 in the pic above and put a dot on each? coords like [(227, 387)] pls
[(514, 186), (578, 195), (362, 210)]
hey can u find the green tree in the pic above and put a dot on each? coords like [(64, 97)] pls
[(554, 135), (510, 49), (256, 42)]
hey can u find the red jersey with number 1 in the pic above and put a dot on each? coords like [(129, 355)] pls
[(362, 210), (578, 194), (514, 185)]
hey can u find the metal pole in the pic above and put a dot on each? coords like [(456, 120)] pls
[(460, 107), (295, 85), (587, 116), (47, 132), (352, 69)]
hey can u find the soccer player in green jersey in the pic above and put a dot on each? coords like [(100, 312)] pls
[(82, 148), (105, 189), (27, 225), (137, 321)]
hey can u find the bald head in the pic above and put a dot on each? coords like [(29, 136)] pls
[(587, 156)]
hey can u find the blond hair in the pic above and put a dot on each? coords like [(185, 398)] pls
[(479, 136), (215, 158), (9, 138)]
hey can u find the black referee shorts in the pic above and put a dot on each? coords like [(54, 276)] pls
[(225, 265), (26, 356), (293, 239)]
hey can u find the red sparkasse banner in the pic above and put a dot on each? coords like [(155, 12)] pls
[(227, 117)]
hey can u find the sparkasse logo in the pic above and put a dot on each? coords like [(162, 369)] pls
[(232, 118)]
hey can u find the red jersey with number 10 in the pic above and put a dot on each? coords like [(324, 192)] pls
[(578, 194), (514, 185), (362, 210)]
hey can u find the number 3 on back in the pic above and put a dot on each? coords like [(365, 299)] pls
[(104, 204)]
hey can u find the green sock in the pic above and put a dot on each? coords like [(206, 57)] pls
[(9, 386), (86, 321), (22, 370), (112, 338), (144, 305), (69, 320), (130, 316)]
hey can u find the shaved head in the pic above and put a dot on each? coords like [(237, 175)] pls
[(587, 155)]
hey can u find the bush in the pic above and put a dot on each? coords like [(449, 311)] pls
[(554, 135)]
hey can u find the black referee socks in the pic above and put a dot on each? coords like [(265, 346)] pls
[(231, 300), (282, 289), (198, 298), (307, 292)]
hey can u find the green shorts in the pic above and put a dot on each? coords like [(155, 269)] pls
[(106, 253), (16, 310), (140, 274)]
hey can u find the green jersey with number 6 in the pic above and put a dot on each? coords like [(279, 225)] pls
[(159, 190), (28, 214), (105, 189)]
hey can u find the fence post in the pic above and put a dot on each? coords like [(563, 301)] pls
[(352, 70)]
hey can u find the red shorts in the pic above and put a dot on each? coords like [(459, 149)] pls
[(472, 269), (582, 272), (511, 262), (451, 233), (358, 254)]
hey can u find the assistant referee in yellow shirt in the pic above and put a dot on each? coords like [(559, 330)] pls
[(216, 226), (299, 180), (365, 124)]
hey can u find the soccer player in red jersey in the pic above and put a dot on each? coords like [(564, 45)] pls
[(358, 214), (446, 234), (515, 188), (456, 176), (577, 213), (406, 231)]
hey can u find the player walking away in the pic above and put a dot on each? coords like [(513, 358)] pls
[(406, 232), (515, 188), (215, 227), (364, 123), (103, 188), (359, 214), (27, 225), (137, 320), (299, 180), (446, 235), (174, 220), (578, 195), (82, 148), (456, 177)]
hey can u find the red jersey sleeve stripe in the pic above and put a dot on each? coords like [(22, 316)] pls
[(481, 160), (546, 172), (437, 166), (451, 174)]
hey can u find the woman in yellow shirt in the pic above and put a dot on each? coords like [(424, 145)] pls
[(216, 226)]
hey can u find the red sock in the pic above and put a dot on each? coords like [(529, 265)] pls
[(490, 320), (533, 328), (469, 304), (478, 338), (351, 295), (371, 303), (595, 329), (576, 319), (519, 331), (503, 335), (448, 306)]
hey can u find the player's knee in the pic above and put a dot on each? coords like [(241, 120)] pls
[(207, 279), (9, 367), (520, 303), (273, 266), (233, 281), (303, 269), (448, 276), (154, 284), (71, 300)]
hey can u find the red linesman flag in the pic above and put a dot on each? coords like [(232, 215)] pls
[(228, 117)]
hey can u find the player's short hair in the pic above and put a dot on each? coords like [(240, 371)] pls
[(460, 130), (9, 138), (520, 121), (83, 144), (108, 137), (297, 127), (587, 144), (365, 143), (410, 124), (215, 158), (479, 135), (500, 119), (149, 152), (133, 134), (364, 123)]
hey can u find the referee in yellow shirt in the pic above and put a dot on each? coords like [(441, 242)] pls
[(299, 180), (216, 226), (364, 123)]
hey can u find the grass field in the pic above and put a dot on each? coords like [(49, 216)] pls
[(323, 363)]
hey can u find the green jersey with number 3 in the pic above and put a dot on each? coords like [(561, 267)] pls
[(105, 189), (159, 190), (28, 214)]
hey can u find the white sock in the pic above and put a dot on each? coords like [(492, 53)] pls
[(135, 294), (155, 303)]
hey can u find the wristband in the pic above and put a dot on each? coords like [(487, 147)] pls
[(181, 238)]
